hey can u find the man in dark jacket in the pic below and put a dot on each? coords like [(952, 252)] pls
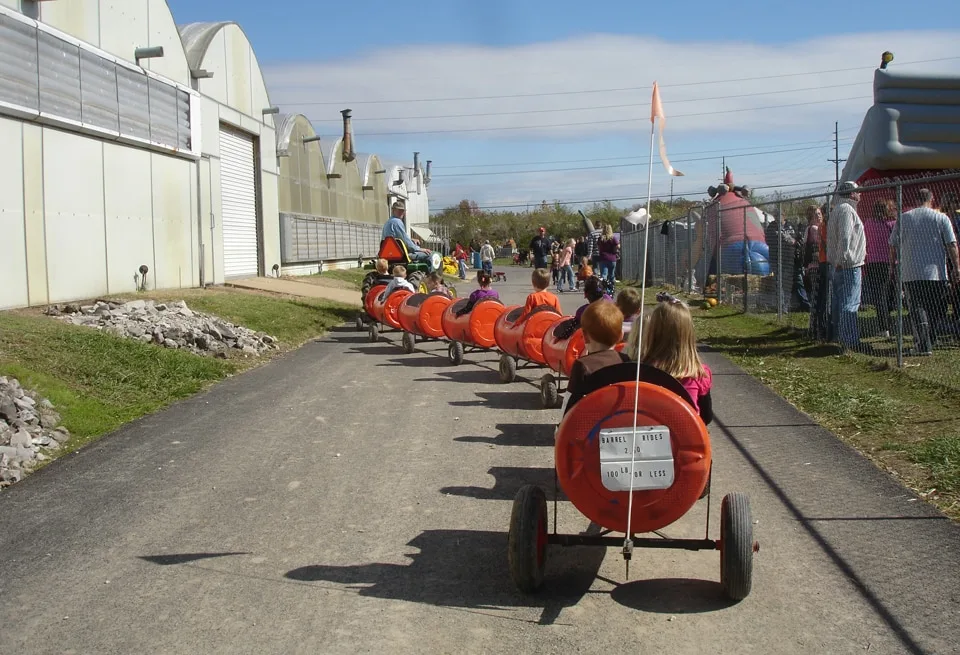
[(540, 248)]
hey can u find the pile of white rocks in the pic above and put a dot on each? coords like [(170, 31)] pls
[(172, 325), (28, 426)]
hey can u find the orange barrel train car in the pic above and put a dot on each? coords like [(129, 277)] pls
[(385, 310), (421, 315), (601, 461), (473, 330), (369, 298), (561, 348), (522, 340)]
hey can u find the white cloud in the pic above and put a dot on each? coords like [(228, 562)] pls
[(598, 62)]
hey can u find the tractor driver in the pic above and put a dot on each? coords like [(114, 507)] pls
[(394, 227)]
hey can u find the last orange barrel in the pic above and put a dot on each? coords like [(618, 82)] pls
[(585, 433)]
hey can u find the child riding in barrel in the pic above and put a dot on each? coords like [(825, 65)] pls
[(540, 296), (670, 344), (602, 324), (399, 281), (485, 292)]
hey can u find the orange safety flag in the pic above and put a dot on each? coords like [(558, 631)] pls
[(656, 111)]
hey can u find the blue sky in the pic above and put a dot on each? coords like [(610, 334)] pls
[(597, 65)]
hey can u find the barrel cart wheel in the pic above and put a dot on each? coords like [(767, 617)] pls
[(455, 353), (408, 341), (549, 392), (527, 542), (508, 368), (359, 323), (373, 334), (736, 546)]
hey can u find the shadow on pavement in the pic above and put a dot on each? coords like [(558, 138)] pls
[(425, 361), (184, 558), (473, 375), (502, 400), (466, 569), (863, 586), (517, 434), (672, 596), (507, 482)]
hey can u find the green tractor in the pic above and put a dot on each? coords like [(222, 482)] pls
[(394, 250)]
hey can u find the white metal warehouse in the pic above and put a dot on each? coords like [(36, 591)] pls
[(130, 145)]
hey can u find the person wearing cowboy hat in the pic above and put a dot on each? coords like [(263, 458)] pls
[(395, 228), (540, 248)]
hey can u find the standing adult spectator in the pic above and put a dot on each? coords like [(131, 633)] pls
[(461, 256), (608, 252), (877, 289), (846, 252), (785, 260), (394, 227), (950, 205), (924, 240), (817, 272), (566, 267), (540, 248), (592, 239), (486, 257)]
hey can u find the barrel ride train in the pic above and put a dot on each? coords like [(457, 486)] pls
[(633, 455)]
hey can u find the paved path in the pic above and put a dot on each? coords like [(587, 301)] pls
[(297, 288), (348, 498)]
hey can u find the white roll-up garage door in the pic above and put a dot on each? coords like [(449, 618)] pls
[(239, 196)]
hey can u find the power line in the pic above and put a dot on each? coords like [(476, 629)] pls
[(621, 120), (656, 197), (631, 88), (642, 164), (565, 109), (644, 157)]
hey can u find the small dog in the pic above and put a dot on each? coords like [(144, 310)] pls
[(499, 276)]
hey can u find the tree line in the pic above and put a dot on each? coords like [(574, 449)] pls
[(468, 224)]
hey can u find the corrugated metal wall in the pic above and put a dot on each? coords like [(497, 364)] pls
[(308, 239)]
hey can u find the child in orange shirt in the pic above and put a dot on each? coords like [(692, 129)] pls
[(540, 296)]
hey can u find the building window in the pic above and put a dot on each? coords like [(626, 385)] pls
[(41, 73), (30, 9)]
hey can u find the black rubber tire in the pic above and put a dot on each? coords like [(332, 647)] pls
[(508, 368), (706, 488), (455, 353), (416, 278), (408, 342), (736, 551), (368, 281), (373, 334), (527, 541), (549, 392), (360, 324)]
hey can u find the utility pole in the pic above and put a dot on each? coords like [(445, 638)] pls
[(723, 169), (671, 192), (836, 155)]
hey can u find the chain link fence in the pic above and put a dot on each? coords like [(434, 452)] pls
[(895, 297)]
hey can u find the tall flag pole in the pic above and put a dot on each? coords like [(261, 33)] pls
[(656, 111)]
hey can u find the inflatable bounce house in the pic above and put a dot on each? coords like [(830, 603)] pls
[(734, 232), (911, 131)]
